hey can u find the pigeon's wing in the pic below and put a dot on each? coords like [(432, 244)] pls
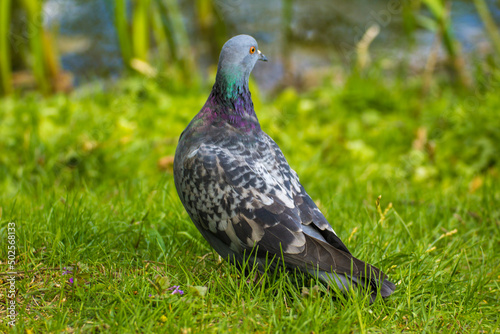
[(246, 198), (313, 221), (237, 200), (320, 236)]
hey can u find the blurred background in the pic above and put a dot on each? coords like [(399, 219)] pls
[(55, 45), (403, 90)]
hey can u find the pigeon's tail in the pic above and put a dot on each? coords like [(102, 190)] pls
[(344, 282)]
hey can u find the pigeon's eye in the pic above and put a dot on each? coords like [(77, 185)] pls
[(252, 50)]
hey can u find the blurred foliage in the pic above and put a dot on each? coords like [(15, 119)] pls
[(152, 20), (26, 44), (489, 23), (153, 38), (154, 32), (130, 131), (440, 22), (375, 128), (151, 33)]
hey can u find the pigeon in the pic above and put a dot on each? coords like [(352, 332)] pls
[(245, 199)]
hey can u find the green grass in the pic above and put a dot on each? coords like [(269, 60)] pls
[(87, 179)]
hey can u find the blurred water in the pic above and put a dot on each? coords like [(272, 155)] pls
[(322, 31), (88, 41)]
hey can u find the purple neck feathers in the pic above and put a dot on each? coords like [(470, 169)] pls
[(230, 102)]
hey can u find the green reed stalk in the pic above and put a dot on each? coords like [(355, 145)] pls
[(181, 40), (489, 23), (440, 11), (159, 33), (122, 31), (140, 32), (34, 15), (5, 64)]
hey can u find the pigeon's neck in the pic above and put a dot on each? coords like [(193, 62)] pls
[(230, 101), (233, 94)]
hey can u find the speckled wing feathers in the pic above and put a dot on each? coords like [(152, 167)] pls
[(235, 194), (248, 198), (310, 215)]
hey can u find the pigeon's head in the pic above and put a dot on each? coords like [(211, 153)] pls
[(238, 57)]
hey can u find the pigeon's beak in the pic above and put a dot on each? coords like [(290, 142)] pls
[(261, 56)]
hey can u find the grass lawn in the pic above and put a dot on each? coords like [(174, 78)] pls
[(102, 240)]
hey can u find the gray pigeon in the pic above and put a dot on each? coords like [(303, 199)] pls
[(242, 195)]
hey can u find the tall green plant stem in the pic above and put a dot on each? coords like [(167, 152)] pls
[(140, 33), (122, 31), (5, 65), (35, 35), (489, 24)]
